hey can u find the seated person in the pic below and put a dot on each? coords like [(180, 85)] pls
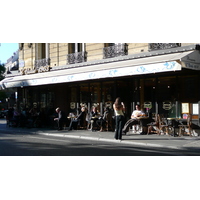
[(107, 117), (9, 116), (23, 118), (60, 119), (133, 121), (33, 115), (79, 120), (93, 117), (153, 126), (16, 118)]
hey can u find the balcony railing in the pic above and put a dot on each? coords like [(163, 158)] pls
[(42, 63), (158, 46), (77, 57), (115, 51)]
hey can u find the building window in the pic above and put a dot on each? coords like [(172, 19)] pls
[(41, 51), (158, 46), (42, 55), (111, 50), (76, 53)]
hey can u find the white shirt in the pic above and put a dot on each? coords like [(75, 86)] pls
[(137, 113)]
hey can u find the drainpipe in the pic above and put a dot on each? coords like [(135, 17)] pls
[(76, 47), (47, 50), (83, 47)]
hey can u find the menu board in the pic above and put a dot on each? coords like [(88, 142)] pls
[(185, 107)]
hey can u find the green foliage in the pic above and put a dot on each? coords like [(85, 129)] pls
[(2, 70)]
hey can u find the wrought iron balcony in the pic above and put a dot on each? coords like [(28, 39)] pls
[(158, 46), (77, 57), (42, 63), (115, 51)]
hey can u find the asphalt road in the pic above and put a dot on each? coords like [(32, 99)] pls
[(41, 145)]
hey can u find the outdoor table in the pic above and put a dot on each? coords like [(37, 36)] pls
[(96, 117), (71, 118), (142, 117)]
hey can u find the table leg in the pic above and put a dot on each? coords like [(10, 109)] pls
[(174, 126)]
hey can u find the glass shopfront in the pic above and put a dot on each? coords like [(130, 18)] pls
[(165, 93)]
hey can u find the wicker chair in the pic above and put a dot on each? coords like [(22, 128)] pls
[(153, 127), (163, 125), (109, 121), (184, 127)]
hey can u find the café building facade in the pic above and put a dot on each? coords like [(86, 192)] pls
[(161, 77)]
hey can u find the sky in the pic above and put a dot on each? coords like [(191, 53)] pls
[(7, 50)]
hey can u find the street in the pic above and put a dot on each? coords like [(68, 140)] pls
[(20, 144)]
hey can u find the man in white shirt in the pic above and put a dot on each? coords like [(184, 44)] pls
[(133, 121)]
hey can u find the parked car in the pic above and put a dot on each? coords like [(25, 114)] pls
[(3, 113)]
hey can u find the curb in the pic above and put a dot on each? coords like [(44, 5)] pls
[(96, 139), (112, 140)]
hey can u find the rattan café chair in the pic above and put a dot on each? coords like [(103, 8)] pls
[(163, 125), (153, 127), (184, 127)]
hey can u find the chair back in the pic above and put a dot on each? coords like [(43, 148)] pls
[(189, 120), (108, 116), (157, 120), (162, 120)]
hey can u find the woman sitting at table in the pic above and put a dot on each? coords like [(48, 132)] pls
[(133, 121), (79, 120)]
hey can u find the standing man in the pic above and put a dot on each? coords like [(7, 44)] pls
[(133, 121), (60, 119)]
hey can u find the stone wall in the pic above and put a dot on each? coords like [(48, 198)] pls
[(58, 52)]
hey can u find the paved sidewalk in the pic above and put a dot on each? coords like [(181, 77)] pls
[(164, 141)]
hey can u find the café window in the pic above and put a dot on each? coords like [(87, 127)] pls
[(195, 108), (185, 108)]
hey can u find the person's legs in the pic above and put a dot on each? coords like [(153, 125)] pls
[(116, 127), (60, 124), (143, 123), (120, 130), (121, 125), (73, 124), (128, 124), (70, 126)]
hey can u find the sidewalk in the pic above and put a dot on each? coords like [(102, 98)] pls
[(164, 141)]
